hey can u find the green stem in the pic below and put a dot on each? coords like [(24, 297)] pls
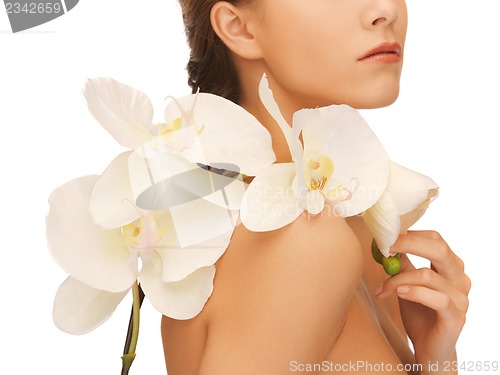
[(136, 308), (133, 329)]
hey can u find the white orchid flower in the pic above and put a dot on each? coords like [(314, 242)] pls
[(179, 242), (403, 202), (341, 163), (103, 263)]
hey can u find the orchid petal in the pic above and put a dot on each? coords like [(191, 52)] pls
[(315, 202), (270, 201), (160, 179), (202, 205), (93, 255), (168, 180), (359, 158), (227, 133), (408, 189), (197, 232), (382, 219), (79, 308), (228, 191), (182, 299), (112, 202), (410, 218), (199, 220), (126, 113), (267, 98), (179, 262)]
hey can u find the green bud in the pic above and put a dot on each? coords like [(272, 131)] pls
[(392, 265), (376, 254)]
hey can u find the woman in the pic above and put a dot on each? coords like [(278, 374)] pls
[(308, 296)]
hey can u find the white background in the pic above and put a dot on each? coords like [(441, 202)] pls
[(445, 124)]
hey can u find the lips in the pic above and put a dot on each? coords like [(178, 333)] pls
[(385, 52)]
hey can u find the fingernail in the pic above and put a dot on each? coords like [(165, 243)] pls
[(403, 289), (378, 289)]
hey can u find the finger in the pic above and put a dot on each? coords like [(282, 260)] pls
[(431, 246), (462, 282), (432, 234), (427, 278), (449, 314)]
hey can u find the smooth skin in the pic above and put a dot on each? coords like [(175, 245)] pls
[(310, 292)]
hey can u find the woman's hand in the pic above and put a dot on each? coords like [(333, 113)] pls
[(433, 301)]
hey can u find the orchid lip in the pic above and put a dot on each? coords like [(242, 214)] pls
[(384, 48)]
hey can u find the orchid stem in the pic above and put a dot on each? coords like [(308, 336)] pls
[(133, 329)]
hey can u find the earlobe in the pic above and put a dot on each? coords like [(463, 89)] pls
[(231, 25)]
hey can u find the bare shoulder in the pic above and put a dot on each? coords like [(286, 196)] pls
[(280, 296)]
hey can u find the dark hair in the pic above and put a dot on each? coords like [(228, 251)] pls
[(211, 67)]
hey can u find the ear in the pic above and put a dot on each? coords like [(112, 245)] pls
[(233, 26)]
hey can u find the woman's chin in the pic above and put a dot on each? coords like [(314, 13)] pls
[(375, 98)]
